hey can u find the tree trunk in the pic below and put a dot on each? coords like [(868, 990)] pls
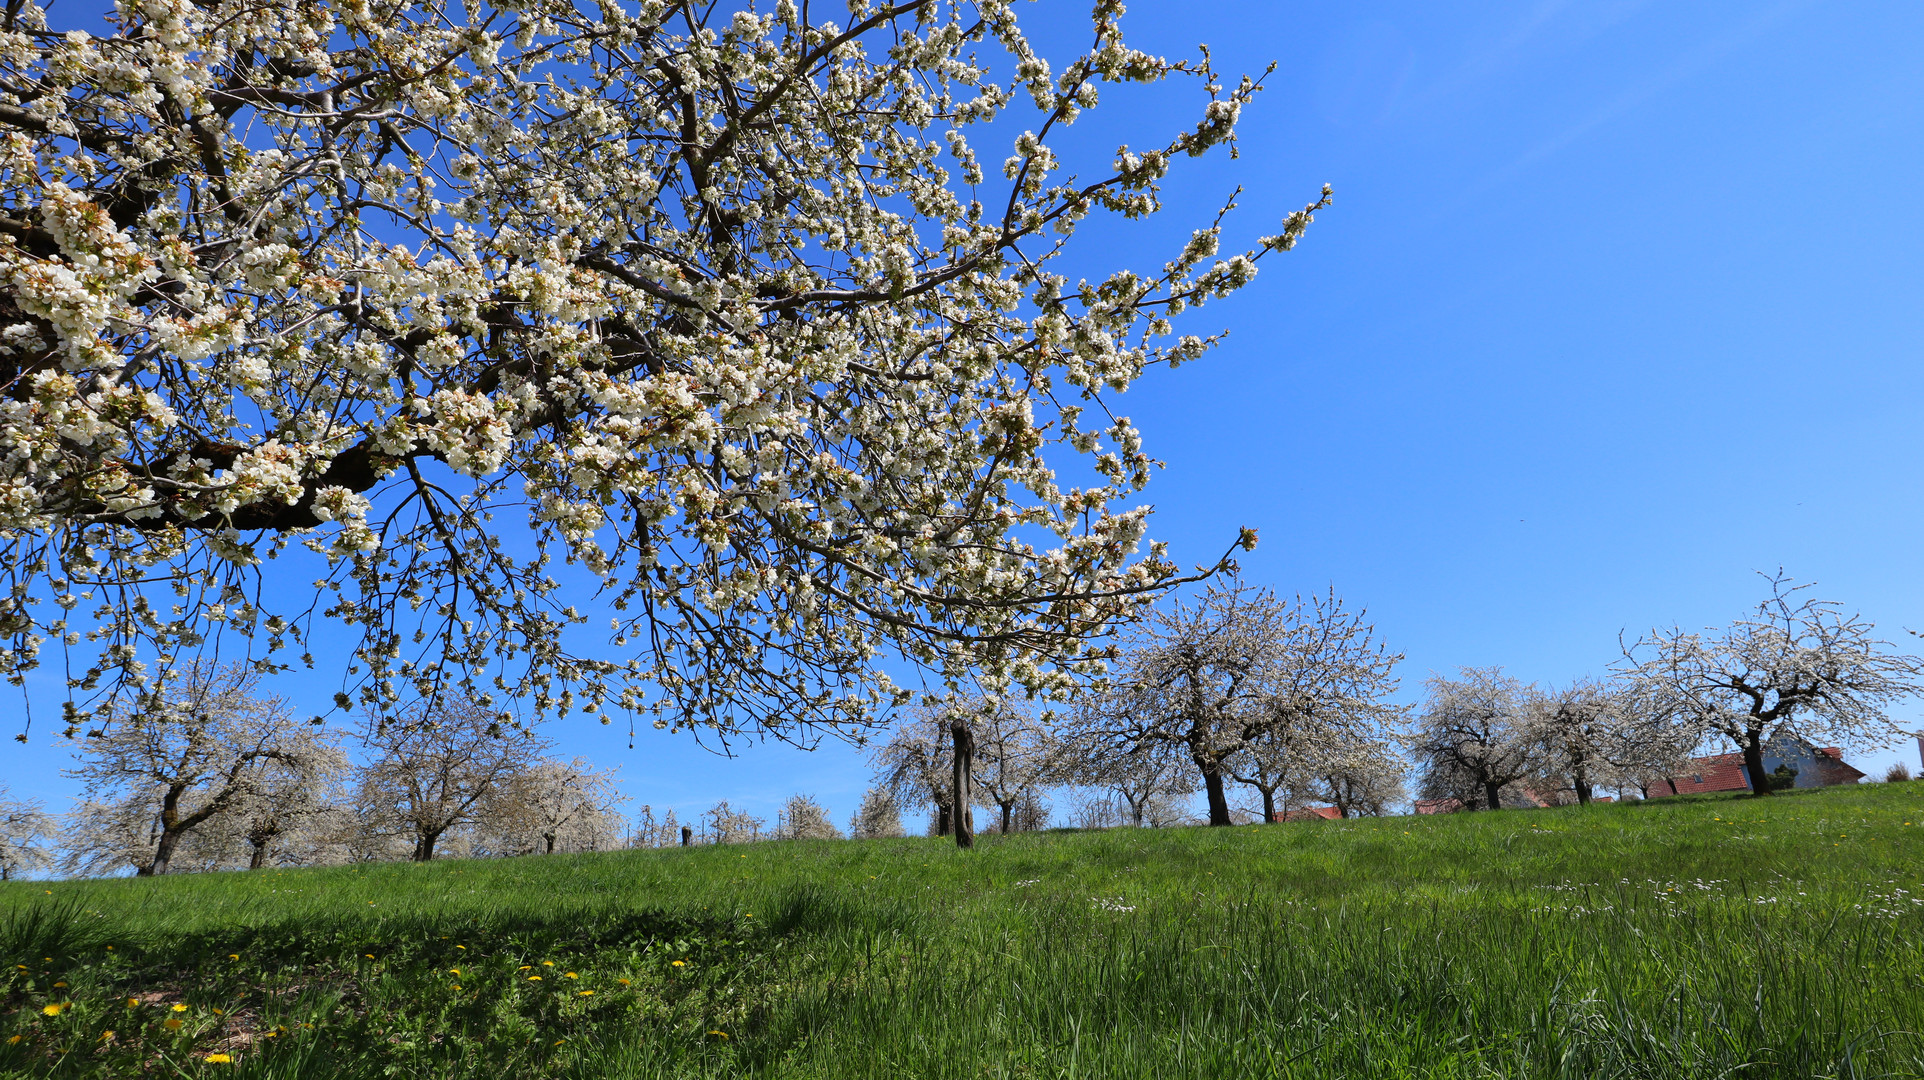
[(1493, 791), (1582, 783), (687, 835), (424, 846), (1218, 802), (963, 790), (549, 837), (1754, 764), (1008, 810), (163, 854), (941, 819), (259, 858), (1269, 805)]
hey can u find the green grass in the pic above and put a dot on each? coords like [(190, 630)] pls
[(1684, 938)]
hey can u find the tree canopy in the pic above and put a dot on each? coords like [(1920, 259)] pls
[(721, 307)]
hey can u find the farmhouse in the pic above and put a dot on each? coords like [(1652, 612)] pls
[(1815, 766)]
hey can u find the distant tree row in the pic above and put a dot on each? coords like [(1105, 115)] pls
[(1282, 697), (222, 776), (1288, 699), (1795, 668)]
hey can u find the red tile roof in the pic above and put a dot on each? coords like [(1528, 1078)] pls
[(1310, 813), (1718, 772), (1439, 806)]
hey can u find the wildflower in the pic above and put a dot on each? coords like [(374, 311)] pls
[(172, 1023), (525, 967), (457, 986), (233, 956), (219, 1059), (463, 948), (679, 963), (14, 1040), (534, 978), (107, 1035), (370, 956), (723, 1034), (623, 982), (587, 993), (547, 963), (570, 975), (56, 1009), (217, 1012), (59, 984), (454, 971), (133, 1003), (180, 1007)]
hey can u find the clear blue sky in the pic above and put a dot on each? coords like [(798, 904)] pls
[(1618, 304)]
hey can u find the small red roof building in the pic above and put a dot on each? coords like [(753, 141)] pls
[(1310, 813), (1817, 766)]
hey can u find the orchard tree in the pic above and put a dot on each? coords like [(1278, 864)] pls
[(288, 809), (1590, 734), (650, 831), (1215, 677), (915, 764), (878, 818), (724, 308), (552, 806), (1151, 779), (1471, 738), (1360, 776), (1797, 667), (803, 818), (1015, 754), (727, 825), (211, 747), (437, 769), (25, 829)]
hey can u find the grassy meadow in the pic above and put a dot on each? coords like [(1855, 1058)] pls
[(1720, 937)]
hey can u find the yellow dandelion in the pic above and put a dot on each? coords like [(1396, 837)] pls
[(218, 1059), (217, 1012), (370, 956), (172, 1023), (558, 1042), (233, 956), (723, 1034), (623, 982), (60, 985), (547, 963), (587, 993), (457, 986), (14, 1040), (463, 948), (107, 1035), (679, 963), (525, 967), (133, 1003), (570, 975), (56, 1009), (534, 978), (454, 971), (180, 1008)]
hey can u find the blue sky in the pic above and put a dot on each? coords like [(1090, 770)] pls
[(1618, 304)]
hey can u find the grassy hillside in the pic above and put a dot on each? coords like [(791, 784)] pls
[(1721, 937)]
